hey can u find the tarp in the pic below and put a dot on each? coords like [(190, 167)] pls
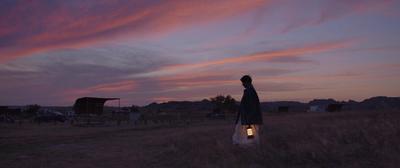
[(90, 105)]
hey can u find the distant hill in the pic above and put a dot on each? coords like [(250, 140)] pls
[(380, 102), (322, 102), (290, 105), (204, 105), (374, 103)]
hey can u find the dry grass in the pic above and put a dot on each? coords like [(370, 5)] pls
[(348, 139)]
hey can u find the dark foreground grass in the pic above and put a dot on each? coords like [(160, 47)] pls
[(347, 139), (361, 140)]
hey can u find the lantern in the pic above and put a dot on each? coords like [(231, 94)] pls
[(249, 132)]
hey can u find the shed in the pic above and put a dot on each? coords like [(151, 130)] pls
[(91, 105)]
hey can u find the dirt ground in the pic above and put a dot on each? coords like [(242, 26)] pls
[(290, 140)]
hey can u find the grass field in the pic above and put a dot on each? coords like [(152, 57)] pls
[(346, 139)]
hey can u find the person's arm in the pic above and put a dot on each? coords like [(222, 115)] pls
[(244, 107), (241, 106)]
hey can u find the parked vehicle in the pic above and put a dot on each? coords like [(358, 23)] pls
[(215, 116), (47, 115)]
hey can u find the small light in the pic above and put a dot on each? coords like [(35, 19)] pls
[(249, 131)]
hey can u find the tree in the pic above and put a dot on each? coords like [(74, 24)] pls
[(219, 102), (134, 108), (223, 103), (230, 104)]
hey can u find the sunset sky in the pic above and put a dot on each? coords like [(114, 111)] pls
[(54, 51)]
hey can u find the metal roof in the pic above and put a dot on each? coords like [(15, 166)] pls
[(90, 105)]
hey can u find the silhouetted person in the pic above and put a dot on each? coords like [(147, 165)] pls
[(249, 117)]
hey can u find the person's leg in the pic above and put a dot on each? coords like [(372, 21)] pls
[(235, 136), (257, 134)]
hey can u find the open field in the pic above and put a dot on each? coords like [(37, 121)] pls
[(346, 139)]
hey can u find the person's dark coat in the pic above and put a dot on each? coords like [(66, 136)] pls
[(249, 111)]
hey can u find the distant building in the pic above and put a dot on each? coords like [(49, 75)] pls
[(334, 107), (9, 114), (317, 108)]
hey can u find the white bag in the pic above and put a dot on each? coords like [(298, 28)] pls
[(240, 135)]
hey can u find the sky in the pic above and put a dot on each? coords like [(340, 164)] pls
[(142, 51)]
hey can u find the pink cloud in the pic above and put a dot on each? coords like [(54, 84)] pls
[(256, 57), (36, 26), (297, 17), (114, 87), (39, 26)]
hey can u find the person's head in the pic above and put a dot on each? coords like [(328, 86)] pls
[(246, 81)]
